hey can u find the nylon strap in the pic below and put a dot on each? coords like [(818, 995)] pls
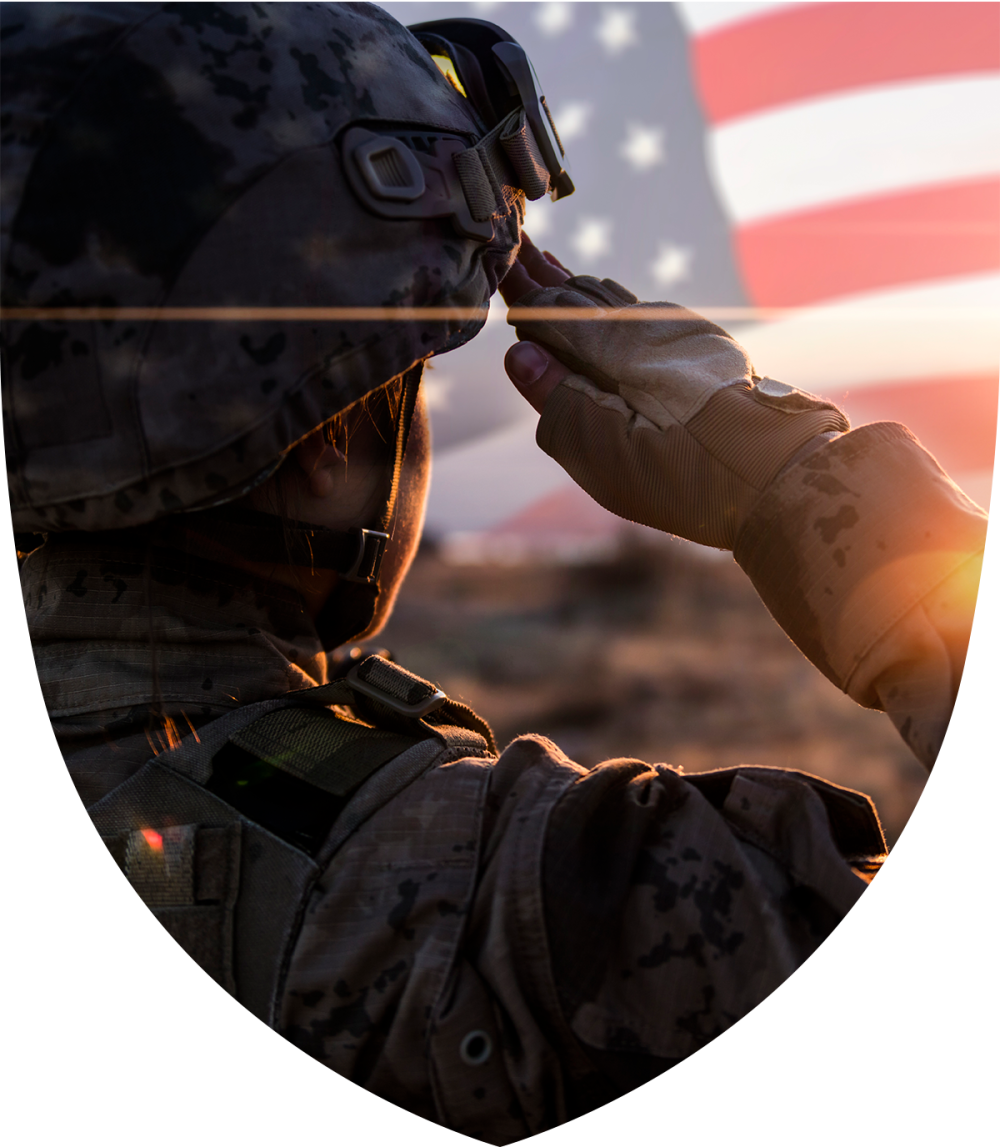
[(330, 752), (336, 753), (500, 166)]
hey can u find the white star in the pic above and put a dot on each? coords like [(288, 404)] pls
[(554, 18), (593, 238), (644, 146), (617, 29), (436, 387), (571, 119), (672, 265), (538, 218)]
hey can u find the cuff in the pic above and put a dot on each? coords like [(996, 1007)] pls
[(846, 542)]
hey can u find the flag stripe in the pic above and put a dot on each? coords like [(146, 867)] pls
[(946, 328), (954, 417), (856, 146), (701, 16), (871, 243), (798, 53)]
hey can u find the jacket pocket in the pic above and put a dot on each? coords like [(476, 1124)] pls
[(188, 875)]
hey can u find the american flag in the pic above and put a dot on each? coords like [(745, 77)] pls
[(823, 179)]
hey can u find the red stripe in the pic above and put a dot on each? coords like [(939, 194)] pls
[(935, 232), (803, 52), (954, 418), (567, 511)]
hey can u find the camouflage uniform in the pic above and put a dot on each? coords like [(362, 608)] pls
[(498, 942), (507, 942)]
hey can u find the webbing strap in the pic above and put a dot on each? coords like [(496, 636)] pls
[(393, 698), (293, 769), (504, 163), (329, 752)]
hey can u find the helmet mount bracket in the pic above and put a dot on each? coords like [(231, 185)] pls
[(410, 175)]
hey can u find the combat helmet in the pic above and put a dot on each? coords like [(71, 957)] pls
[(212, 214)]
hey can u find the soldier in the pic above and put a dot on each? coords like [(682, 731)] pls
[(220, 446)]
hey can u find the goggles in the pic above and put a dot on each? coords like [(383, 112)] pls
[(487, 66), (410, 174)]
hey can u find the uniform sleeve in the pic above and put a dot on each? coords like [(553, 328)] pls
[(627, 915), (869, 557)]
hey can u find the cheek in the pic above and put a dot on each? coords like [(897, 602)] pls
[(409, 519), (415, 479)]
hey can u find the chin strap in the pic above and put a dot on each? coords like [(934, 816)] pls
[(355, 554), (404, 419), (351, 607)]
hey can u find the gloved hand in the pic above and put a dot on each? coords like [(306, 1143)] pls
[(658, 413)]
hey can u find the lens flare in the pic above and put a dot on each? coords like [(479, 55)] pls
[(153, 839)]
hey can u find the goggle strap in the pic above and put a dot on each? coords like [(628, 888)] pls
[(504, 162), (526, 157)]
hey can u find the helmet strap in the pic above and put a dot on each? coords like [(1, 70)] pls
[(351, 607), (356, 554)]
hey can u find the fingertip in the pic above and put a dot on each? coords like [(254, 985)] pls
[(555, 263), (534, 372), (525, 363), (515, 283)]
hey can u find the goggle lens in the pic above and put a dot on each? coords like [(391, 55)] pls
[(446, 66)]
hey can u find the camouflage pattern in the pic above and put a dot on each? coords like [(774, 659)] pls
[(453, 961), (662, 418), (200, 145), (136, 647), (868, 555), (501, 944)]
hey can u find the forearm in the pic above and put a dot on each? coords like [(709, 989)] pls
[(863, 549), (868, 556)]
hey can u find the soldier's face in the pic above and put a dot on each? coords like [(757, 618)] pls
[(409, 519), (344, 484)]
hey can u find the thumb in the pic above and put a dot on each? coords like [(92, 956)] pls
[(534, 372)]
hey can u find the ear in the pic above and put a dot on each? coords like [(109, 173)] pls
[(318, 460)]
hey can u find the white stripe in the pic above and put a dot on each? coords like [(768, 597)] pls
[(480, 483), (948, 327), (868, 142), (699, 18)]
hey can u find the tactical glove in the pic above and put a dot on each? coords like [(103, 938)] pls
[(662, 419)]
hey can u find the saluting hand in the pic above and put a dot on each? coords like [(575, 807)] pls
[(533, 370)]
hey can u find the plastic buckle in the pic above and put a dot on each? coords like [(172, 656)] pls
[(371, 549), (418, 709), (385, 174)]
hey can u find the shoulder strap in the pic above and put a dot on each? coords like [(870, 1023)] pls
[(224, 837), (391, 697)]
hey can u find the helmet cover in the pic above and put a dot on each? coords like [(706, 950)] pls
[(187, 156)]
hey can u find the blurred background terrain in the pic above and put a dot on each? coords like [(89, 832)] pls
[(652, 651)]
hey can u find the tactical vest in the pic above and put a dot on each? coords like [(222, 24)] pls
[(225, 836)]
